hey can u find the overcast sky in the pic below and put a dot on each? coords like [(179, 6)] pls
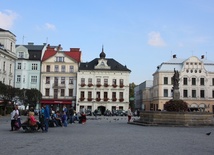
[(140, 34)]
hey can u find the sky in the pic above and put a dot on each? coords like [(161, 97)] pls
[(140, 34)]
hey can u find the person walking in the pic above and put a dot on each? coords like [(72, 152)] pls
[(129, 114), (46, 117)]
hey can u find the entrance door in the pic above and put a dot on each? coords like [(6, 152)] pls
[(102, 109)]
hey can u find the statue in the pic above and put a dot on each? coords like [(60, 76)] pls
[(175, 80), (176, 93)]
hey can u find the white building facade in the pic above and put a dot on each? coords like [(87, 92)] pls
[(196, 83), (102, 84), (59, 76), (7, 57)]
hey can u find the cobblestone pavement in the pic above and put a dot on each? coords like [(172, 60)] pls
[(107, 136)]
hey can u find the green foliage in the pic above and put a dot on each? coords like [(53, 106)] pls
[(176, 105)]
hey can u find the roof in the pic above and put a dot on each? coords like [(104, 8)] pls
[(35, 51), (3, 30), (177, 64), (114, 65), (74, 53)]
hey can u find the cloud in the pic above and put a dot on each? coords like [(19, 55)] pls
[(7, 19), (155, 39), (50, 26)]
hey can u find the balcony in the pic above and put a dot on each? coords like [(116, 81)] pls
[(106, 85), (99, 85), (121, 85), (82, 85), (98, 99), (114, 85), (90, 85), (121, 99), (114, 99), (11, 74), (90, 99), (82, 99), (105, 99), (58, 85)]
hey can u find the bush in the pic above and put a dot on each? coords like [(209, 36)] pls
[(176, 105)]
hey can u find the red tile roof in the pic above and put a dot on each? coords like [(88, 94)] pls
[(74, 53)]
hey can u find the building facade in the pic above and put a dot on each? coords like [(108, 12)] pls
[(143, 95), (7, 57), (196, 83), (59, 76), (103, 84), (28, 66)]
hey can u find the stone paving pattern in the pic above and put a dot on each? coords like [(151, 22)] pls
[(107, 136)]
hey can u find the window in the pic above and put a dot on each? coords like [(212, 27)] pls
[(63, 68), (165, 92), (21, 54), (33, 79), (47, 80), (82, 94), (56, 69), (89, 94), (71, 69), (193, 93), (70, 80), (34, 66), (90, 81), (55, 93), (19, 66), (121, 82), (18, 79), (70, 92), (213, 81), (47, 92), (114, 95), (62, 92), (213, 93), (10, 68), (62, 80), (4, 66), (82, 80), (202, 93), (48, 68), (106, 95), (185, 82), (202, 81), (121, 95), (114, 81), (105, 81), (98, 94), (59, 59), (165, 80), (98, 81), (185, 93), (23, 78), (56, 81), (194, 81)]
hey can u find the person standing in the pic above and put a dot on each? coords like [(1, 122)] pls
[(129, 114), (46, 117)]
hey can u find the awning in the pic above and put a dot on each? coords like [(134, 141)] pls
[(56, 101)]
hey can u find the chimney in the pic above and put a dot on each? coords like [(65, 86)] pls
[(30, 43), (174, 56), (59, 47), (202, 57)]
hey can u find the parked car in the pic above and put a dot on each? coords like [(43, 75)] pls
[(98, 113), (107, 113), (88, 112)]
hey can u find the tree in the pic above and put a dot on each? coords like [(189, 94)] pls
[(33, 96)]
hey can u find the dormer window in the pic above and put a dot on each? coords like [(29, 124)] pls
[(21, 54), (59, 59)]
